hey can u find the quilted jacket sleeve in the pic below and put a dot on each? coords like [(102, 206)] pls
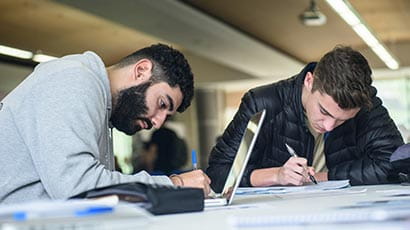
[(377, 138)]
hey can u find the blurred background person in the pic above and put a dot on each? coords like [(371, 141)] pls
[(164, 154)]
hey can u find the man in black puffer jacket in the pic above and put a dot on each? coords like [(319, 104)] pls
[(329, 114)]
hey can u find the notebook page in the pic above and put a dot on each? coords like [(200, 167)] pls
[(311, 187)]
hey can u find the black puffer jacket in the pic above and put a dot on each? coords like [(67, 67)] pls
[(358, 150)]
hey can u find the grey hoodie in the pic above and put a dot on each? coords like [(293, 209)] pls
[(54, 139)]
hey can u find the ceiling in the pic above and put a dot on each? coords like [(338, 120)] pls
[(276, 24), (227, 41)]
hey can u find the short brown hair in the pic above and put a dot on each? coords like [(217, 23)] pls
[(345, 75)]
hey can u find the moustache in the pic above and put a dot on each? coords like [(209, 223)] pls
[(147, 121)]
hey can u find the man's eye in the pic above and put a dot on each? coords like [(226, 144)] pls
[(162, 104)]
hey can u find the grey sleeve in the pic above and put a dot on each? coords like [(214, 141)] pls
[(61, 123)]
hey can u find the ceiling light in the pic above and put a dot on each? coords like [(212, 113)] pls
[(366, 35), (351, 17), (15, 52), (42, 58), (344, 11), (23, 54), (385, 56), (312, 16)]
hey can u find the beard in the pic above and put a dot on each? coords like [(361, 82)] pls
[(131, 106)]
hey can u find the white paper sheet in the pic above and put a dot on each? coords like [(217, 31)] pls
[(321, 186)]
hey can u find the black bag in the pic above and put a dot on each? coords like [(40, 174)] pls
[(400, 160), (158, 199)]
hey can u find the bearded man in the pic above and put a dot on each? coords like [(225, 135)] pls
[(56, 125)]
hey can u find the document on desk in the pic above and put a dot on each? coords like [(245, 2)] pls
[(73, 215), (316, 220), (308, 188), (404, 192), (56, 209)]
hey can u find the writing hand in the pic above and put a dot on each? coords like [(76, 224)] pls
[(195, 178), (295, 172)]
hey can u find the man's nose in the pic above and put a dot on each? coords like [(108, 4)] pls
[(329, 124), (159, 119)]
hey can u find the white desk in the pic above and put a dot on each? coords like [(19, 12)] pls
[(279, 205), (249, 206)]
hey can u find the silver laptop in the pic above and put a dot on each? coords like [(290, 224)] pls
[(239, 164)]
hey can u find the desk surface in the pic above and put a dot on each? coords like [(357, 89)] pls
[(291, 204), (254, 206)]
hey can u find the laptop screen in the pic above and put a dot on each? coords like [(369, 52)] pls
[(242, 155)]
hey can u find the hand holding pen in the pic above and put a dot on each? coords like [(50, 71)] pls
[(305, 169), (195, 178)]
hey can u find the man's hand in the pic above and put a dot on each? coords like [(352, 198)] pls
[(293, 172), (196, 178), (321, 176)]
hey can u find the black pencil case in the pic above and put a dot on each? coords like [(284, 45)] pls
[(157, 199)]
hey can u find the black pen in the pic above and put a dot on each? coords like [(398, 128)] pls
[(293, 154)]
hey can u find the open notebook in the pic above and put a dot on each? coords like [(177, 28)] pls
[(239, 164)]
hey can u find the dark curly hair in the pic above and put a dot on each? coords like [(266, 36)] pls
[(345, 75), (169, 65)]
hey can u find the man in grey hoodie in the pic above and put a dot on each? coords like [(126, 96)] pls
[(56, 125)]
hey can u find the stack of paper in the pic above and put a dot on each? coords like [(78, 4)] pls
[(321, 186)]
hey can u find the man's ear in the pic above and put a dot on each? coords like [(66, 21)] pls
[(142, 70), (308, 82)]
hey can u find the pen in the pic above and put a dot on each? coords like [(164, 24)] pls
[(194, 162), (94, 211), (37, 214), (293, 154)]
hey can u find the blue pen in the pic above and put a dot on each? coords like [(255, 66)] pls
[(194, 162), (94, 211), (77, 212)]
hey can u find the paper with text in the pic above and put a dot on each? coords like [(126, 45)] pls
[(321, 186)]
